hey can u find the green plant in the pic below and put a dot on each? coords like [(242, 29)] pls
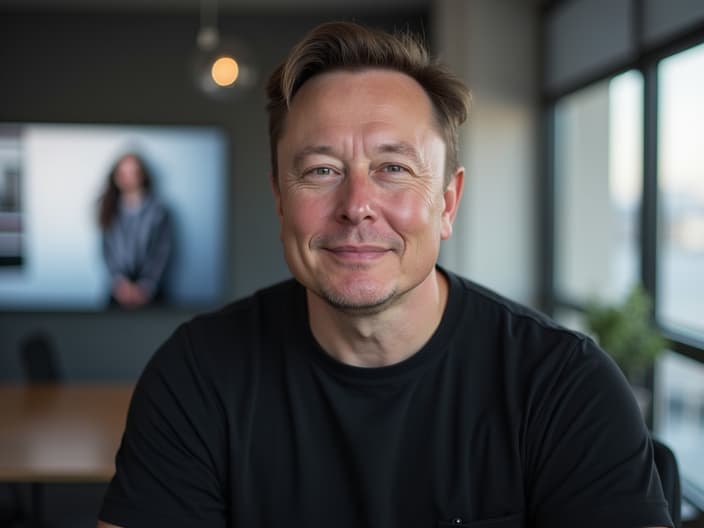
[(626, 333)]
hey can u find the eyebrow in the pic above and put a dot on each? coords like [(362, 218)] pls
[(404, 149), (309, 150)]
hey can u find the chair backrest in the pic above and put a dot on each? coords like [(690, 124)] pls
[(39, 360), (666, 464)]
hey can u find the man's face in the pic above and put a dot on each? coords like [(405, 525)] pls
[(360, 188)]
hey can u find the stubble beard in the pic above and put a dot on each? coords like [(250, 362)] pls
[(344, 304)]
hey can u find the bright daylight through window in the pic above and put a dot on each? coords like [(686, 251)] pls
[(680, 305), (598, 180), (681, 192)]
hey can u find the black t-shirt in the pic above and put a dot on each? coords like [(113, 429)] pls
[(503, 420)]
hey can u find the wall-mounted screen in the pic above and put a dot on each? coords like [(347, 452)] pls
[(93, 216)]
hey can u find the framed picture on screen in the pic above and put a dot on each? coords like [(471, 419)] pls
[(53, 182)]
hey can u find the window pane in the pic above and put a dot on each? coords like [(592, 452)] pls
[(679, 414), (573, 319), (681, 186), (598, 179)]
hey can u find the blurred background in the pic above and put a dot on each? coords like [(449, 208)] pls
[(584, 156)]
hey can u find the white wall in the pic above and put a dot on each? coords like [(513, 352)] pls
[(493, 46)]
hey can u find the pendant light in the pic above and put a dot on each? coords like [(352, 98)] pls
[(223, 66)]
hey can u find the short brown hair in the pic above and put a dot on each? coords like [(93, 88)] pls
[(349, 46)]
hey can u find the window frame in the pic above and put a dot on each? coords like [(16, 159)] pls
[(646, 62)]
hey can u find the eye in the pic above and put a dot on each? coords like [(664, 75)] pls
[(395, 170), (319, 171)]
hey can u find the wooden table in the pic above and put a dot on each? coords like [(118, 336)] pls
[(62, 432)]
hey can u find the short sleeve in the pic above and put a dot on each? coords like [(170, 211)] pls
[(170, 464), (590, 458)]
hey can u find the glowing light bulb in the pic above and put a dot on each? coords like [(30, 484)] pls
[(225, 71)]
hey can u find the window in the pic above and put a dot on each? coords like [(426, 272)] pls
[(680, 304), (598, 186), (625, 189), (679, 389), (679, 416)]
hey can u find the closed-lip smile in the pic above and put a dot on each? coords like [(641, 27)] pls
[(357, 252)]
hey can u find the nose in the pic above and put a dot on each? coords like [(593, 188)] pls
[(357, 198)]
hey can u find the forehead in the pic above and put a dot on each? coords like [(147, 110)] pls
[(367, 81), (349, 98), (129, 162)]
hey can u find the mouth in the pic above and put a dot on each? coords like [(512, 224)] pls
[(357, 253)]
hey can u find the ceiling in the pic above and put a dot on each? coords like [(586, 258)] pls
[(369, 6)]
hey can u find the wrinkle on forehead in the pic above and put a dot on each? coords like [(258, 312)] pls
[(402, 148), (419, 157), (351, 115)]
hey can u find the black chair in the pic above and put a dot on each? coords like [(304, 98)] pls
[(666, 464), (38, 358), (39, 365)]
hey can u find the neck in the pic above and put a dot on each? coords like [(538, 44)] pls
[(384, 338), (132, 198)]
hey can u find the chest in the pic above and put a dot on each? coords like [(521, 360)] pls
[(420, 451)]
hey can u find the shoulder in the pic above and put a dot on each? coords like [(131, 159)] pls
[(516, 345), (215, 360), (231, 336), (494, 316), (551, 373), (265, 306)]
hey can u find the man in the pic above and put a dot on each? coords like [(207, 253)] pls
[(376, 389)]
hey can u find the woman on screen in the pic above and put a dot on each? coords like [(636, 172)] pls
[(136, 234)]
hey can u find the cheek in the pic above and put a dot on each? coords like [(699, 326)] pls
[(302, 217), (411, 213), (127, 179)]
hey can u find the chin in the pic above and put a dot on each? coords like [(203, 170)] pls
[(358, 298)]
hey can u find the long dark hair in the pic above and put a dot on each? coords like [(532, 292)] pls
[(110, 198)]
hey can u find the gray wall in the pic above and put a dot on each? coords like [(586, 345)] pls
[(134, 68), (495, 233)]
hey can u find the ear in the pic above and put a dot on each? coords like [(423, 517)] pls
[(277, 193), (451, 200)]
